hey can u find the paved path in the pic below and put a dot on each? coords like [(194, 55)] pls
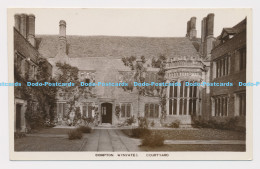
[(110, 140), (115, 140)]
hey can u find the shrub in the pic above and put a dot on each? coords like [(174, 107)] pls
[(229, 124), (152, 124), (140, 132), (75, 134), (85, 129), (129, 121), (175, 124), (153, 140), (19, 135), (232, 123), (142, 122)]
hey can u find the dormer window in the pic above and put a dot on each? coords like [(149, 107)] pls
[(227, 33)]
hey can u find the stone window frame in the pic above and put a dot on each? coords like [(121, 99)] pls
[(125, 104), (242, 58), (220, 105), (153, 114), (221, 66), (187, 103), (240, 103), (89, 106), (61, 109)]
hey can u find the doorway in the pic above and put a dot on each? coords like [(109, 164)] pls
[(106, 112), (18, 117)]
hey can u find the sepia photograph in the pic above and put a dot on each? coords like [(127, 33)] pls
[(119, 83)]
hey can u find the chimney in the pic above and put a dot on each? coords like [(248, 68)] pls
[(188, 29), (62, 38), (17, 22), (209, 38), (203, 29), (31, 29), (210, 24), (203, 36), (23, 25), (193, 31)]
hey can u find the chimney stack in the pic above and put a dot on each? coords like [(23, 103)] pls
[(31, 29), (23, 25), (203, 29), (210, 24), (188, 29), (62, 38), (191, 28), (193, 31), (207, 35)]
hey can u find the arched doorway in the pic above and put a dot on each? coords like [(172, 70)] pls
[(106, 112)]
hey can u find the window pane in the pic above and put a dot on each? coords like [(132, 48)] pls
[(174, 106), (219, 107), (217, 68), (180, 108), (123, 110), (224, 66), (185, 106), (170, 106), (220, 68), (151, 110), (175, 91), (146, 110), (185, 90), (156, 110), (195, 91), (190, 107), (171, 91), (244, 104), (194, 106), (227, 64), (89, 111), (128, 110), (84, 110), (181, 89), (191, 87)]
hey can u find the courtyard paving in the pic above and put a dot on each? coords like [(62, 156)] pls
[(114, 140)]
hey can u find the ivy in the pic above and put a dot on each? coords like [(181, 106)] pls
[(38, 98), (139, 67), (65, 74)]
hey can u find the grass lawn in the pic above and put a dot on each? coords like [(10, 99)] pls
[(197, 134), (195, 147), (47, 144), (54, 131)]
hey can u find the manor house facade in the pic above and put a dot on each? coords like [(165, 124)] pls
[(189, 59)]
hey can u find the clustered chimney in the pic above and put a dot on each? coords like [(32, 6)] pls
[(191, 28), (207, 35), (62, 38), (25, 24)]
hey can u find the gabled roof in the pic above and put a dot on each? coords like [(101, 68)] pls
[(116, 47), (228, 31), (238, 28)]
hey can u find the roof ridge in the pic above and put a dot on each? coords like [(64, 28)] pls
[(112, 36)]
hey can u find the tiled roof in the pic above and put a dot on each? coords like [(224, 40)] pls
[(230, 30), (116, 47)]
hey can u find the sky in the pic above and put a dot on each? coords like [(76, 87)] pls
[(129, 22)]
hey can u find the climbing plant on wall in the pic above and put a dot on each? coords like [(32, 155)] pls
[(38, 98), (66, 74), (139, 68)]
